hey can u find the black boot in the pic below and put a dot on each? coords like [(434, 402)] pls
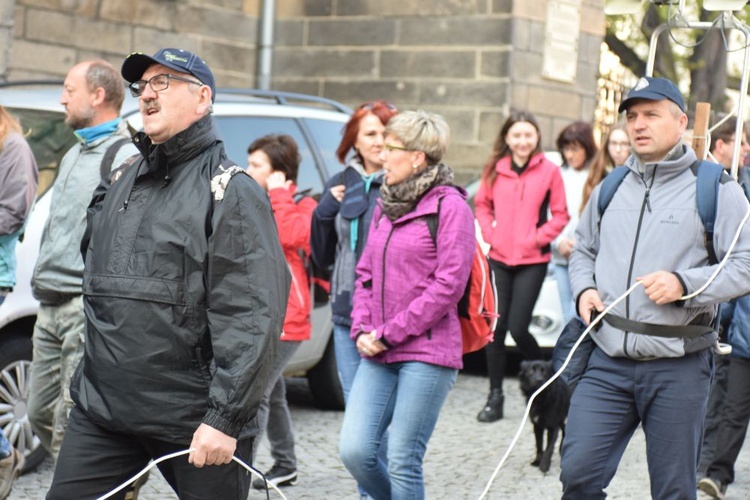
[(493, 410)]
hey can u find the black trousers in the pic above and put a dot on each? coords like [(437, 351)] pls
[(733, 428), (94, 461), (518, 288)]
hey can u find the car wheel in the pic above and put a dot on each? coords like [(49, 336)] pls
[(324, 382), (15, 365)]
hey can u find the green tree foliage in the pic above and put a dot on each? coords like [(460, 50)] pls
[(690, 56)]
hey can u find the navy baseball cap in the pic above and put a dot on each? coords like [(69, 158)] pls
[(654, 89), (177, 59)]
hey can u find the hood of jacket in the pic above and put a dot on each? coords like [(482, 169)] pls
[(331, 236)]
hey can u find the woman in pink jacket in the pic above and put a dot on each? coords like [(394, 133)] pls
[(519, 189)]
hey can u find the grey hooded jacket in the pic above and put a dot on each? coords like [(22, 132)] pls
[(652, 224), (58, 274)]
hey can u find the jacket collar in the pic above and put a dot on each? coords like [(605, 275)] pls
[(182, 147), (429, 202), (679, 158), (121, 130), (503, 165)]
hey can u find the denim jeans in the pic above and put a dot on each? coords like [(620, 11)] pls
[(347, 357), (4, 444), (404, 398), (566, 294), (273, 413), (58, 348)]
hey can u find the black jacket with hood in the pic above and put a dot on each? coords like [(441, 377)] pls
[(184, 295)]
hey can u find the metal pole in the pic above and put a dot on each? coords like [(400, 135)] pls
[(730, 22), (263, 72)]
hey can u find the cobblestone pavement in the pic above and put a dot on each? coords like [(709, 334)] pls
[(461, 456)]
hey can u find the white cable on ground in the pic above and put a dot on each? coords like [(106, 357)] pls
[(586, 332), (177, 454)]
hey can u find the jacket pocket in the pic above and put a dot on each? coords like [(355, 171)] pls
[(159, 290)]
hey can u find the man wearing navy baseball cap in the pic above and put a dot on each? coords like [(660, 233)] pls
[(652, 360), (185, 292), (179, 60)]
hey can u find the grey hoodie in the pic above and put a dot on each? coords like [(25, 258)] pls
[(58, 274), (652, 224)]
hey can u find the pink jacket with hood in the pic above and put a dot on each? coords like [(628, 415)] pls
[(513, 213)]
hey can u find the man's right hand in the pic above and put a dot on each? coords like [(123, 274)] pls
[(589, 300)]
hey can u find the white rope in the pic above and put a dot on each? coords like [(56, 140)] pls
[(586, 332), (159, 460), (547, 383)]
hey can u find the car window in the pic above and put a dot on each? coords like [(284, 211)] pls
[(238, 132), (49, 139), (327, 135)]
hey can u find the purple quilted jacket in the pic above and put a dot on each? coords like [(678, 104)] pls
[(408, 286)]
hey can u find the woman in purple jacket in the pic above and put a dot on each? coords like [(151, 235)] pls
[(405, 321)]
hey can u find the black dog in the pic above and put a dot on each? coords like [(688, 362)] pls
[(549, 409)]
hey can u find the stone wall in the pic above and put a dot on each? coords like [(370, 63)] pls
[(470, 60)]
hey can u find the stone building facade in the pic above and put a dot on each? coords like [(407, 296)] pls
[(470, 60)]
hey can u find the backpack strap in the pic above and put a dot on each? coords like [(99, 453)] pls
[(221, 177), (105, 168), (609, 186), (433, 220), (708, 177), (300, 195)]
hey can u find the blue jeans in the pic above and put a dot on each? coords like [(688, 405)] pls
[(347, 357), (666, 396), (4, 444), (566, 294), (406, 399)]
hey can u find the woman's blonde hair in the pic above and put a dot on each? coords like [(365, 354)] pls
[(421, 131), (8, 124)]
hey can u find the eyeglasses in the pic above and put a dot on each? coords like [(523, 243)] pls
[(157, 83), (369, 106), (391, 147)]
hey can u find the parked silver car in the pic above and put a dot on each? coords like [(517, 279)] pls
[(240, 116)]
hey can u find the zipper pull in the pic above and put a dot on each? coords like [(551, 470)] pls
[(648, 199)]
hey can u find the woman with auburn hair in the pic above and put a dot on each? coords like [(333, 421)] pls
[(613, 153), (342, 219), (577, 148), (519, 187), (405, 319), (341, 222)]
